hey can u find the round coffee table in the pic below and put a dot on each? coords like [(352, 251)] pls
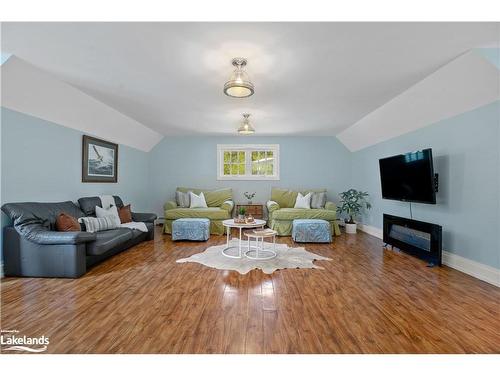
[(259, 249), (228, 224)]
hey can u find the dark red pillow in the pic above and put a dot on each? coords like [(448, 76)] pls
[(125, 214), (67, 223)]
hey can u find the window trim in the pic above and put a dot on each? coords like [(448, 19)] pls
[(248, 148)]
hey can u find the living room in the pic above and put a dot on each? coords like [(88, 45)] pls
[(250, 188)]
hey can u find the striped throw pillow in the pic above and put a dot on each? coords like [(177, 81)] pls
[(97, 224)]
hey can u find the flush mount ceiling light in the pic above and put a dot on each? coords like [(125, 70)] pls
[(245, 127), (239, 85)]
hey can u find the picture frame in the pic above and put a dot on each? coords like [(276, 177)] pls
[(99, 160)]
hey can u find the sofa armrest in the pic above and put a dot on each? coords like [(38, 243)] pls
[(144, 217), (331, 206), (272, 206), (47, 237), (228, 206), (170, 205)]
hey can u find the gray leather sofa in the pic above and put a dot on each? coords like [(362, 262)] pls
[(32, 247)]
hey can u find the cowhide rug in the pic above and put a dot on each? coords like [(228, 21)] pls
[(287, 257)]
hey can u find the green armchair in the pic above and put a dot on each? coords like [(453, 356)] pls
[(282, 213), (220, 207)]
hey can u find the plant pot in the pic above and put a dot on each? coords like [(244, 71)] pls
[(241, 217), (350, 228), (249, 202)]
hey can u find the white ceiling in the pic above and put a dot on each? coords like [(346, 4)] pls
[(310, 78)]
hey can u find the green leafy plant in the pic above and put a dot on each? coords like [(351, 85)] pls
[(352, 202), (242, 211)]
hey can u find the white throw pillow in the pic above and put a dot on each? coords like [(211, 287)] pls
[(197, 201), (110, 212), (303, 201)]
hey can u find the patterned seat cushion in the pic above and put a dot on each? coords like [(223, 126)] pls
[(311, 230), (193, 229)]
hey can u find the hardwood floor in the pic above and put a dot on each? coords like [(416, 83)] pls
[(366, 300)]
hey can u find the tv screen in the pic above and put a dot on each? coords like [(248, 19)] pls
[(408, 177)]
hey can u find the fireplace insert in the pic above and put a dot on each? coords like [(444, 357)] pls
[(418, 238)]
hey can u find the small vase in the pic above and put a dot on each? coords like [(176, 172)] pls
[(241, 217), (249, 202)]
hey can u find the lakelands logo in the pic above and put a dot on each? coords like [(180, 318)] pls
[(12, 340)]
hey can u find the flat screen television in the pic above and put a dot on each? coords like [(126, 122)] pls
[(408, 177)]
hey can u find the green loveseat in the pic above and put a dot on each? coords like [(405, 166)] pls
[(282, 213), (220, 207)]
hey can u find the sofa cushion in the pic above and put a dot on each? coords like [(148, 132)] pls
[(108, 240), (88, 204), (25, 214), (299, 213), (214, 198), (286, 198), (136, 233), (213, 213)]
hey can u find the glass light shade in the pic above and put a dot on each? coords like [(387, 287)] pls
[(239, 85), (246, 128)]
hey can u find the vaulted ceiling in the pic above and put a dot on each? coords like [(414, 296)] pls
[(310, 78)]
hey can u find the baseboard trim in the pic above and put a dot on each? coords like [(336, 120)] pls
[(374, 231), (470, 267), (478, 270)]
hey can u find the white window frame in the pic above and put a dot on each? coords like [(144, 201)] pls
[(248, 148)]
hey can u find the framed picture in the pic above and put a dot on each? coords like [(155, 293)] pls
[(99, 160)]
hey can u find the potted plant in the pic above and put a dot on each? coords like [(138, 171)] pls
[(351, 203), (241, 214), (249, 196)]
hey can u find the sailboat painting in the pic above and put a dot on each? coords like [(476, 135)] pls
[(100, 160)]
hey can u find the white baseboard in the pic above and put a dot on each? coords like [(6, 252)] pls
[(374, 231), (470, 267)]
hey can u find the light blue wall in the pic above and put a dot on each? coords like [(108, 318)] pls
[(41, 161), (4, 57), (305, 162), (466, 156), (491, 54)]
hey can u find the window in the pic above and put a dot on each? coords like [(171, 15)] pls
[(248, 162)]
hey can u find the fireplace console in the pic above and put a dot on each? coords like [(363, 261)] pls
[(414, 237)]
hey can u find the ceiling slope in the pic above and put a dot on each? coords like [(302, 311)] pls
[(310, 78), (30, 90), (466, 83)]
